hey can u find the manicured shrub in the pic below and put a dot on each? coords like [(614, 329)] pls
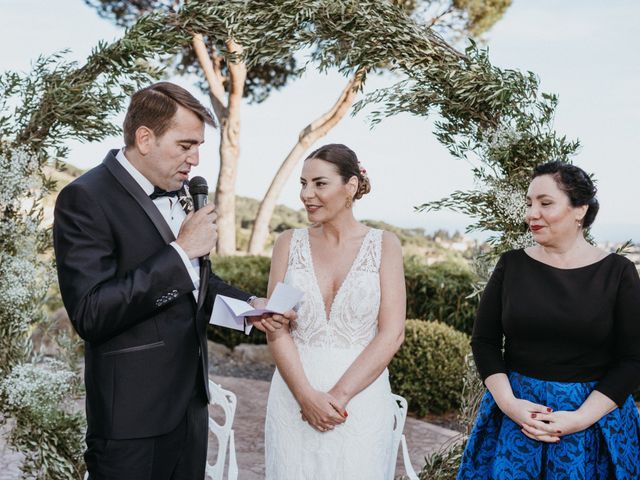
[(249, 273), (440, 292), (429, 368), (443, 464)]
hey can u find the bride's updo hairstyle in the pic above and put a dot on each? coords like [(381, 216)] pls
[(346, 163), (575, 183)]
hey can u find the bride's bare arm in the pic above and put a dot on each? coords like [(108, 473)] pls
[(377, 355), (316, 406), (280, 342)]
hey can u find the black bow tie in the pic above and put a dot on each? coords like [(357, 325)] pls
[(158, 192)]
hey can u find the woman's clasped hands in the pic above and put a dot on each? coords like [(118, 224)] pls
[(541, 423), (321, 410)]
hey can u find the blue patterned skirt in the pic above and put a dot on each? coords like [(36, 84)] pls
[(498, 450)]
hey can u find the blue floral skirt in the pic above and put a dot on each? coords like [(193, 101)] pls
[(498, 450)]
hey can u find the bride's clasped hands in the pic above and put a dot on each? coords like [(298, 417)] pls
[(321, 410)]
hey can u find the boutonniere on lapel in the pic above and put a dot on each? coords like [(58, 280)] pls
[(186, 202)]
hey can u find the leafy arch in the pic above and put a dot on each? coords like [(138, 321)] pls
[(496, 118)]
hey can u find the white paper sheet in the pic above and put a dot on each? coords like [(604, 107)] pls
[(230, 312)]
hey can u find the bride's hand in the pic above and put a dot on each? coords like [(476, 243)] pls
[(320, 409), (339, 402)]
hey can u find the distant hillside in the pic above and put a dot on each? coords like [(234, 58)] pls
[(415, 242), (437, 247), (65, 176), (62, 178), (283, 219)]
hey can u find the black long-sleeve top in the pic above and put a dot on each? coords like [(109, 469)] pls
[(565, 325)]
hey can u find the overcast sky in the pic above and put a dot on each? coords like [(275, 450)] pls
[(585, 51)]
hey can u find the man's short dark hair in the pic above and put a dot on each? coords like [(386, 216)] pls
[(154, 107)]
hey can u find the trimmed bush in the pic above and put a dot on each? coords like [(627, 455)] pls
[(444, 463), (429, 368), (439, 292), (251, 274)]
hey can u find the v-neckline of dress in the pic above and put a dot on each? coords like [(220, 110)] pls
[(327, 315)]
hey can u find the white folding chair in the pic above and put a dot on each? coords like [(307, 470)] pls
[(400, 415), (224, 434)]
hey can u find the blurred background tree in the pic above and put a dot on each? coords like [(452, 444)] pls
[(220, 66)]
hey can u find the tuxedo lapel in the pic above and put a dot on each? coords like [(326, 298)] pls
[(138, 194)]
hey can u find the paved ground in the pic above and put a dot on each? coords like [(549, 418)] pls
[(246, 373), (9, 460), (422, 437)]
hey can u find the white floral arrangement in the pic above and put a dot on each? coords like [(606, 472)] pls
[(21, 280), (39, 388), (509, 202), (19, 175), (503, 137)]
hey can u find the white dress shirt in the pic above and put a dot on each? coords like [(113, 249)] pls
[(172, 213)]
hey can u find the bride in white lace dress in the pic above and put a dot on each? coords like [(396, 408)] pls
[(330, 411)]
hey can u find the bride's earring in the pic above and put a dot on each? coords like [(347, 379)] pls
[(349, 202)]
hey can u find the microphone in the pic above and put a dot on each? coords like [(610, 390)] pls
[(199, 192)]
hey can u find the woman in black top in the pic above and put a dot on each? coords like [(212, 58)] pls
[(557, 344)]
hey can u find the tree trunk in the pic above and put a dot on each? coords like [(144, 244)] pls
[(308, 136), (229, 155), (229, 118), (225, 198), (213, 76)]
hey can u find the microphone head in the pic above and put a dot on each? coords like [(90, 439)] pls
[(198, 186)]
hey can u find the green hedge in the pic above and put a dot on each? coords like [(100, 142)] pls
[(439, 292), (251, 274), (428, 370)]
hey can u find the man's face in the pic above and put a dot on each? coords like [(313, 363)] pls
[(167, 160)]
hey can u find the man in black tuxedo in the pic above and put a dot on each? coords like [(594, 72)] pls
[(127, 257)]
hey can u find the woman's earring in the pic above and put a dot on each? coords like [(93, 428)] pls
[(349, 202)]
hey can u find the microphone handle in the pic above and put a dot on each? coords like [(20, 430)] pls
[(205, 268), (199, 201)]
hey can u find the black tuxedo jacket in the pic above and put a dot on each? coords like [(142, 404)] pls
[(128, 295)]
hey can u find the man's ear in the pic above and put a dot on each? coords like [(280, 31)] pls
[(144, 139)]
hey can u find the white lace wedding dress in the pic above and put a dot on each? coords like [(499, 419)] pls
[(361, 447)]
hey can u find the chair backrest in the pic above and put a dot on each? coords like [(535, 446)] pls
[(400, 416), (224, 433)]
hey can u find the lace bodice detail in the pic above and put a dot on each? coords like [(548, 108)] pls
[(353, 317)]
